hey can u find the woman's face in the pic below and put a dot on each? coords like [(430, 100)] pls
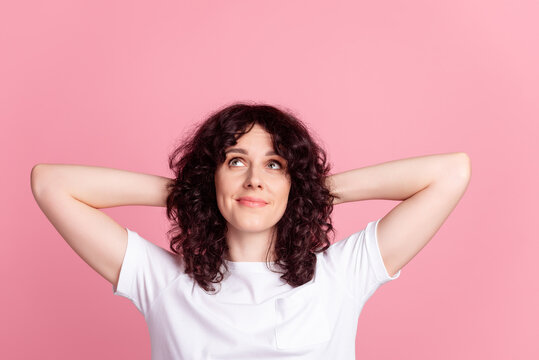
[(250, 170)]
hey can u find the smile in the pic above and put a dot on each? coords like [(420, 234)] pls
[(251, 203)]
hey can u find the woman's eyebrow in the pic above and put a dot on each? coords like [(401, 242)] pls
[(243, 151)]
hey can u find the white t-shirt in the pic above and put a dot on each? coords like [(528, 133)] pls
[(256, 315)]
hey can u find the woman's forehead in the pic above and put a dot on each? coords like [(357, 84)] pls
[(256, 140)]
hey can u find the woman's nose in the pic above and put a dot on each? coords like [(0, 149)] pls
[(254, 178)]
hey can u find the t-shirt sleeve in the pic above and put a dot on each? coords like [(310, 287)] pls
[(357, 262), (146, 270)]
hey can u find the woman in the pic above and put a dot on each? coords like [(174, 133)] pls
[(250, 205)]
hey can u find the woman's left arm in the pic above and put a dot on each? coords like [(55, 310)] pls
[(429, 186)]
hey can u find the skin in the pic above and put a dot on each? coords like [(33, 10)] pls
[(429, 188), (255, 174)]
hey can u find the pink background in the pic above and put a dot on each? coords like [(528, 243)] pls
[(115, 83)]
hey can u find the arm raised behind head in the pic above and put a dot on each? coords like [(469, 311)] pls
[(70, 196)]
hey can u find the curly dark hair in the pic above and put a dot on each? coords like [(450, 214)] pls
[(199, 228)]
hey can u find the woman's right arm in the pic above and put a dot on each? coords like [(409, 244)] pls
[(70, 196)]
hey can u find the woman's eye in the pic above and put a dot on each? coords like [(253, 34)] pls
[(276, 162), (232, 160)]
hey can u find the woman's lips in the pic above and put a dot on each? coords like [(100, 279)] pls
[(251, 203)]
